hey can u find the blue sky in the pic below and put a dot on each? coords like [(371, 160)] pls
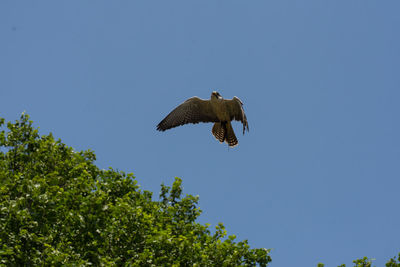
[(317, 177)]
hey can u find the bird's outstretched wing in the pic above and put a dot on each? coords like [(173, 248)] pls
[(236, 111), (193, 110)]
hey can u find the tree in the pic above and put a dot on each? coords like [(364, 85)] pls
[(58, 208), (365, 262)]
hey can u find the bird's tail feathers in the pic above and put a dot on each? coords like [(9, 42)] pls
[(224, 132), (230, 137), (219, 131)]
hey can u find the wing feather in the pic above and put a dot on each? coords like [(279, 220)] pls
[(193, 110), (236, 111)]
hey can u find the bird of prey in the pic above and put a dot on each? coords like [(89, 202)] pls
[(217, 110)]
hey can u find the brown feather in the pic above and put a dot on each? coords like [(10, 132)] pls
[(236, 111), (219, 132), (230, 136), (193, 110)]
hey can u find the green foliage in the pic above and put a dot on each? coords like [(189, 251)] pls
[(393, 262), (58, 208), (366, 262)]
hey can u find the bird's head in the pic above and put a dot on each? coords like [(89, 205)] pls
[(216, 95)]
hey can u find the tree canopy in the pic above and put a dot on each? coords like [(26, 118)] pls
[(58, 208)]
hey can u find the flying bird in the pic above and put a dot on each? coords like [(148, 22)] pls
[(217, 110)]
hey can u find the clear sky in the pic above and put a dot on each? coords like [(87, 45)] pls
[(317, 178)]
